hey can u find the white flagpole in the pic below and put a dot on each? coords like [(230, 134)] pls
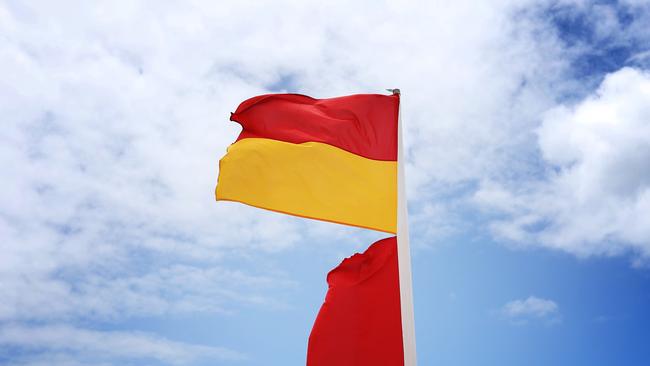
[(403, 252)]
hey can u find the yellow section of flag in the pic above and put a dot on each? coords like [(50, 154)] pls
[(311, 179)]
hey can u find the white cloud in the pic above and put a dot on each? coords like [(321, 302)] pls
[(596, 196), (524, 310), (115, 114), (176, 289), (65, 345)]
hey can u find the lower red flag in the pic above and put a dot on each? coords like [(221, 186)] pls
[(360, 323)]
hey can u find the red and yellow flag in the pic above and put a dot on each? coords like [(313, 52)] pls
[(327, 159), (333, 160)]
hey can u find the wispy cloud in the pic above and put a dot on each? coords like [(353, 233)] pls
[(115, 114), (596, 193), (532, 308), (63, 344), (113, 139)]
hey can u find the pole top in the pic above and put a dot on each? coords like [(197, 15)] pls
[(394, 91)]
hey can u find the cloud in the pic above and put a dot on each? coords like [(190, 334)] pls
[(115, 114), (63, 345), (524, 310), (172, 290), (596, 191)]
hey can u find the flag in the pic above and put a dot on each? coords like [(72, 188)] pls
[(360, 323), (327, 159), (334, 160)]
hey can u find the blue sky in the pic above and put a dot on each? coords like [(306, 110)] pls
[(528, 134)]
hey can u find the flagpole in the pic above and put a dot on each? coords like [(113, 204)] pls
[(403, 251)]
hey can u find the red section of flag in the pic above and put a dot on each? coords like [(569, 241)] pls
[(363, 124), (360, 323)]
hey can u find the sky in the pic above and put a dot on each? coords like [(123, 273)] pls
[(527, 130)]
